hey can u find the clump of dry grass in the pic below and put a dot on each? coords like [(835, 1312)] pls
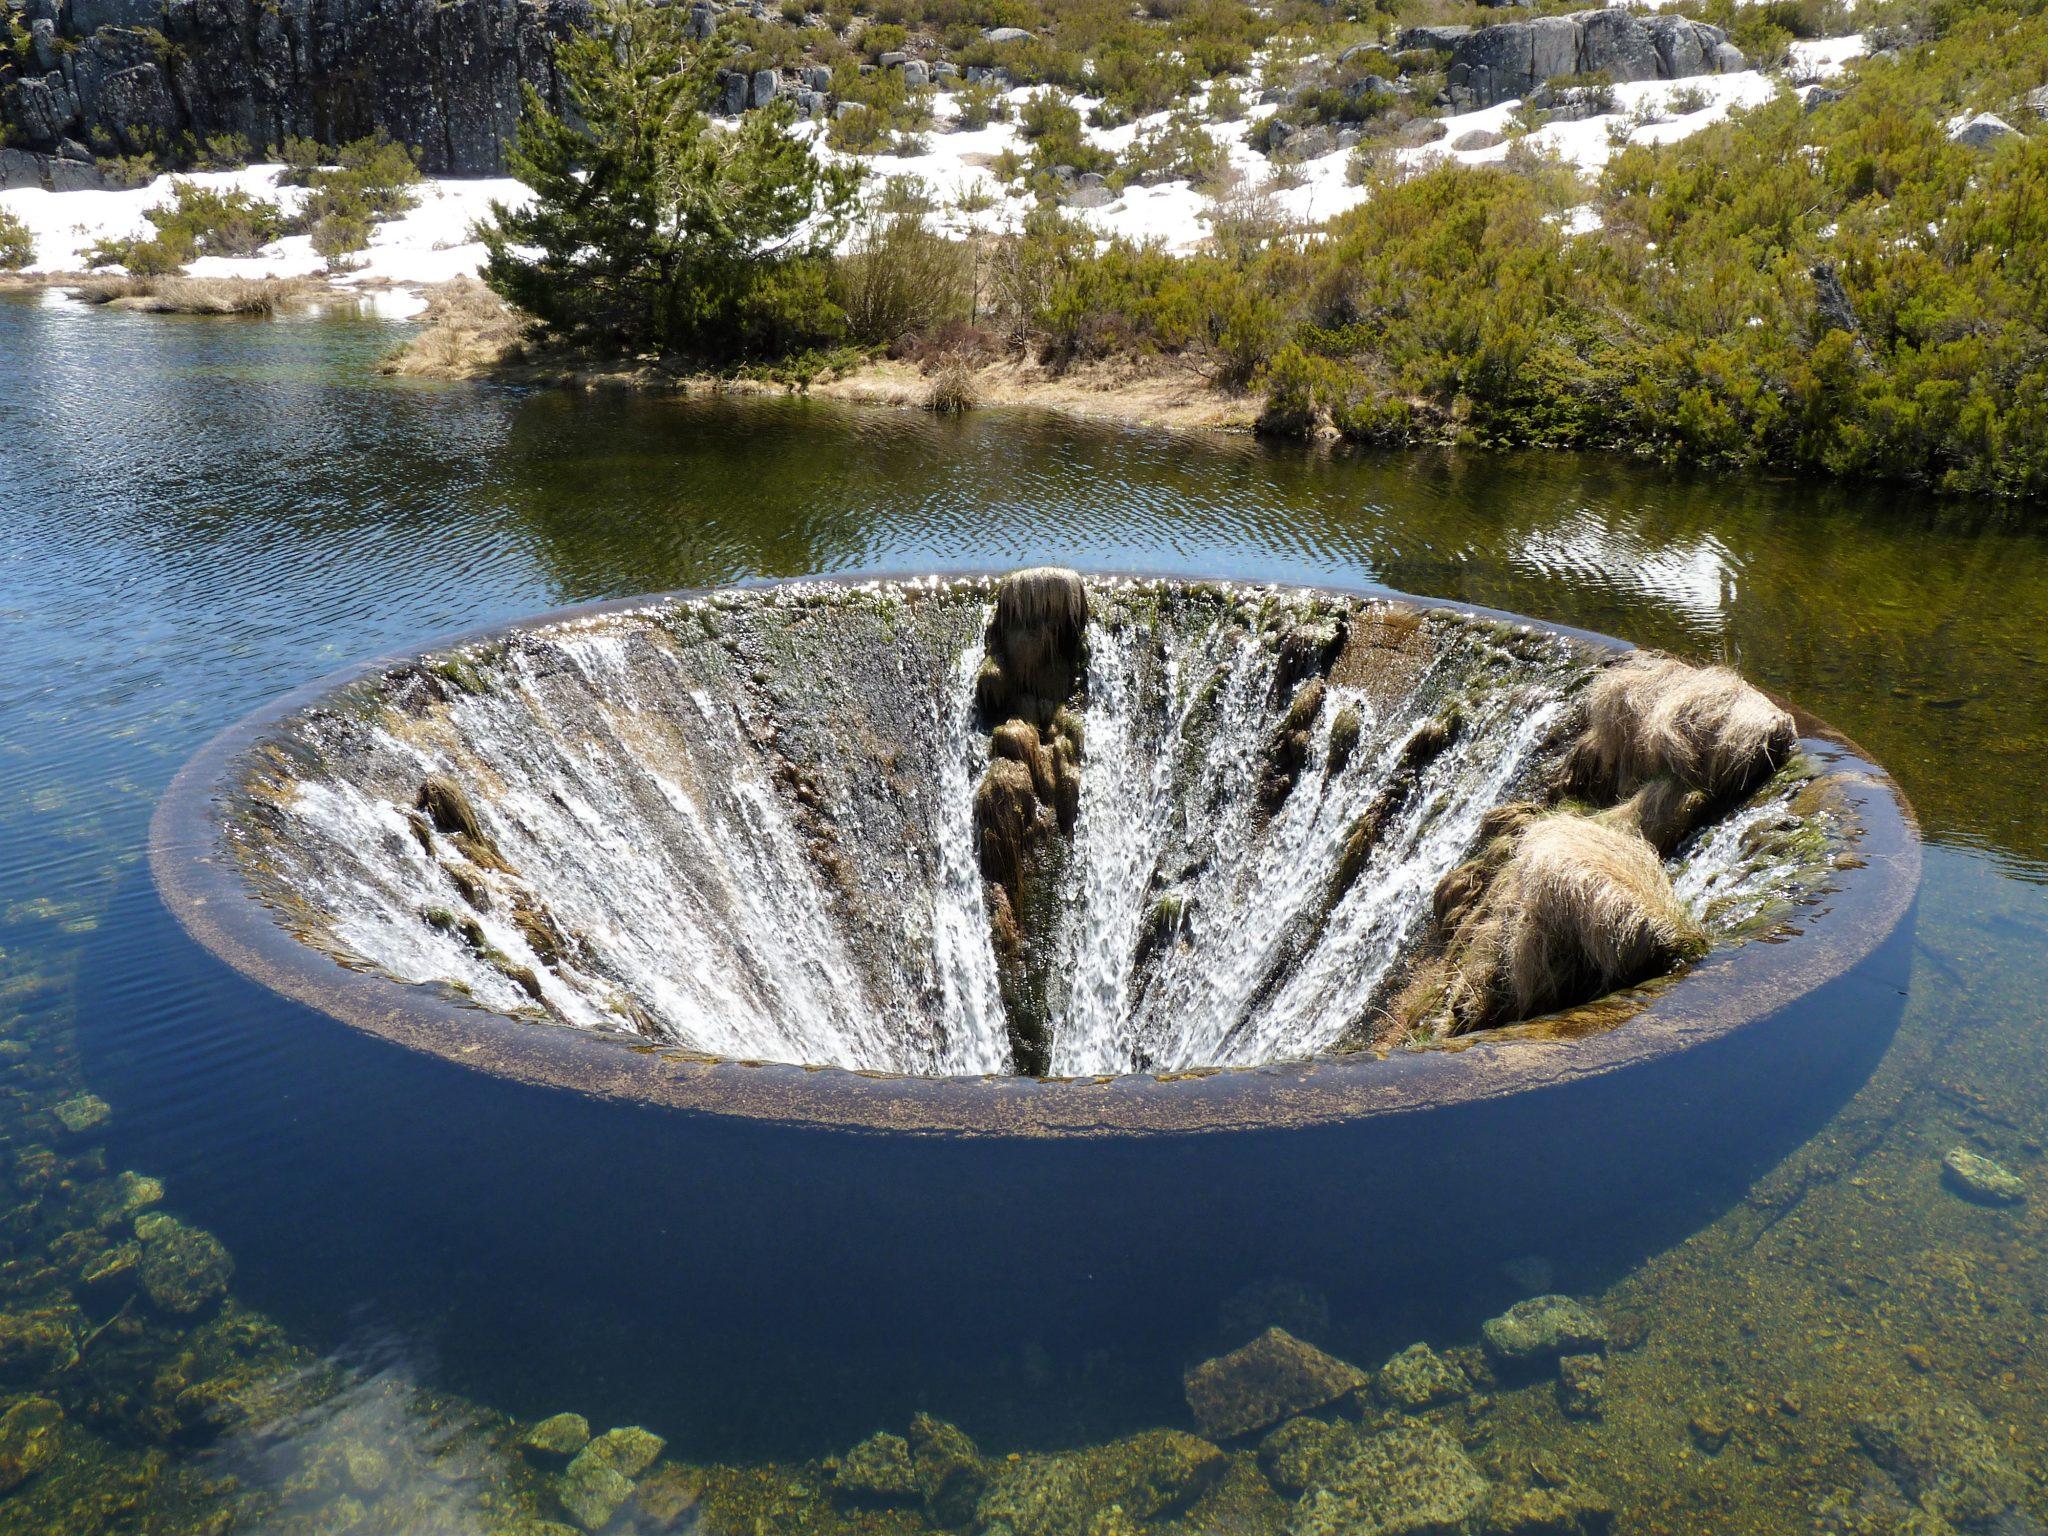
[(1557, 910), (1664, 811), (465, 330), (1652, 716), (177, 295), (952, 391), (1035, 642)]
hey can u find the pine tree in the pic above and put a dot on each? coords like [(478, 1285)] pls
[(651, 227)]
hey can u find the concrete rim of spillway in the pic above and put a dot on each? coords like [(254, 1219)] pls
[(1733, 988)]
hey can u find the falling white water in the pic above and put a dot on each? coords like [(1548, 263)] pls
[(963, 959), (751, 823), (1127, 810), (1724, 875), (1252, 979)]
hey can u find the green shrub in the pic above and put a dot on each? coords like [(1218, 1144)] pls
[(1053, 128), (860, 130), (197, 221), (898, 276), (1226, 102), (651, 228), (351, 188), (888, 110), (1177, 150), (883, 38), (980, 105), (336, 236), (128, 171), (17, 245)]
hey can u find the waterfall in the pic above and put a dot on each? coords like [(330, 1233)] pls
[(746, 825), (1257, 971), (963, 961)]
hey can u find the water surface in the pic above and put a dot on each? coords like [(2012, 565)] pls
[(196, 516)]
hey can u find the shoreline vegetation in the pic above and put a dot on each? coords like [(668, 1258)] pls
[(1842, 285), (467, 332), (1843, 279)]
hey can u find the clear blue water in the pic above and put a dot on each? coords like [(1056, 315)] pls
[(197, 515)]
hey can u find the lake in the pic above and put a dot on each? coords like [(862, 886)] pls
[(197, 516)]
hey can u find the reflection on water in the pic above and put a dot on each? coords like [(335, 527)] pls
[(196, 516)]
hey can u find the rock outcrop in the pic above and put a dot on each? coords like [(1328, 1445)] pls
[(1502, 63), (124, 77), (1026, 804), (1274, 1377)]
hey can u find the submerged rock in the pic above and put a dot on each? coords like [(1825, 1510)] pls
[(1412, 1480), (1143, 1476), (1977, 1178), (948, 1468), (557, 1438), (592, 1492), (1582, 1385), (1293, 1456), (666, 1499), (1272, 1378), (1945, 1457), (183, 1268), (37, 1344), (628, 1452), (83, 1115), (1541, 1329), (28, 1439), (1565, 1511), (1418, 1377), (113, 1272), (878, 1470)]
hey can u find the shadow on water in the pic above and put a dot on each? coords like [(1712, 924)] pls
[(761, 1291)]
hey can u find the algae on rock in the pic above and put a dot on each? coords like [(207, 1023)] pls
[(1274, 1377), (1412, 1480)]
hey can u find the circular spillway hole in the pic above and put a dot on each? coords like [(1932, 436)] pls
[(1035, 825)]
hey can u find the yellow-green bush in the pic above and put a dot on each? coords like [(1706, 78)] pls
[(197, 221), (17, 245)]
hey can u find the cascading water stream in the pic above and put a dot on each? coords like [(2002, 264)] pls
[(963, 962), (749, 827), (1259, 978)]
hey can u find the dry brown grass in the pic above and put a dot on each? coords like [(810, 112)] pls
[(1144, 391), (465, 331), (1558, 911), (175, 295), (1652, 716), (952, 390), (1663, 811)]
